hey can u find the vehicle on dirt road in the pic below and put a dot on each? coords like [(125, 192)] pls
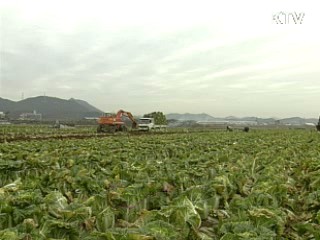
[(148, 124)]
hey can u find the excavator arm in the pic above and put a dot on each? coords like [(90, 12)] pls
[(128, 115)]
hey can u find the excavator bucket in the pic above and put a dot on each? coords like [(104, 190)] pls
[(134, 124)]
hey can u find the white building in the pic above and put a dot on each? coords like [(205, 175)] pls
[(31, 116)]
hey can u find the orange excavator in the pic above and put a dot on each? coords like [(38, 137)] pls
[(111, 123)]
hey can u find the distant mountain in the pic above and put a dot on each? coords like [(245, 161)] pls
[(190, 117), (231, 118), (51, 108), (203, 117), (298, 121), (5, 104), (85, 104)]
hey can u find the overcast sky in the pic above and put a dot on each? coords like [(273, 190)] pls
[(219, 57)]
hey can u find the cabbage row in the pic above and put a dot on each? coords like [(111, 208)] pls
[(217, 185), (16, 132)]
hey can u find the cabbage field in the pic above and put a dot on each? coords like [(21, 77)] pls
[(264, 184)]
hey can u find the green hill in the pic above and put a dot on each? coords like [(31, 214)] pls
[(51, 108)]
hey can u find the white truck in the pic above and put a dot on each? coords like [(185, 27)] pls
[(148, 124)]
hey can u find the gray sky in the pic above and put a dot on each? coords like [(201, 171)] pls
[(219, 57)]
